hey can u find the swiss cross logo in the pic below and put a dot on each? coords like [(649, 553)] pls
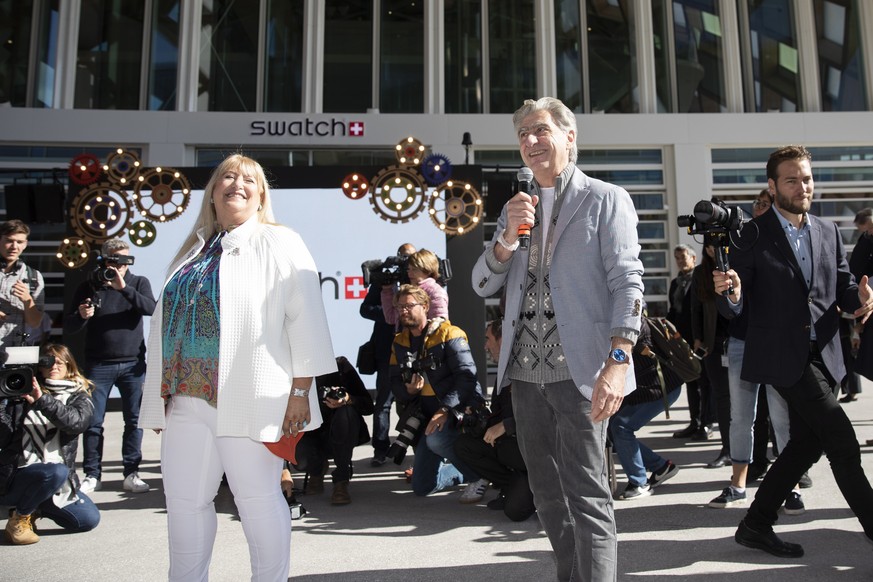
[(356, 128), (355, 288)]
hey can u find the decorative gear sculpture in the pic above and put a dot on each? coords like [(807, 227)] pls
[(85, 169), (73, 252), (162, 194), (122, 167), (409, 152), (436, 169), (455, 207), (398, 194), (100, 212), (142, 233), (355, 186)]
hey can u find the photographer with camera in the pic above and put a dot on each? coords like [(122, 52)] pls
[(22, 289), (344, 402), (432, 373), (789, 272), (39, 434), (110, 307), (381, 340), (423, 270), (490, 447)]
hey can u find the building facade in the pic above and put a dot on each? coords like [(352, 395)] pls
[(676, 100)]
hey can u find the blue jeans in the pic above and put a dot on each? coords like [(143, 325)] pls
[(128, 377), (744, 403), (32, 488), (635, 457), (437, 466), (382, 413), (564, 454)]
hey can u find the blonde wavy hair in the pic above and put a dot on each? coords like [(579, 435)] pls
[(207, 220)]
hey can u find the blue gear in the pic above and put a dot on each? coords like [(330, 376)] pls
[(436, 169)]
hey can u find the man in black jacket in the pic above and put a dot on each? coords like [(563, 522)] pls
[(790, 272), (111, 311)]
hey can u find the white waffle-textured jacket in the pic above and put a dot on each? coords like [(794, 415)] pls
[(273, 328)]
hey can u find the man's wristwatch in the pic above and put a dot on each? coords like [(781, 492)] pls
[(502, 242), (300, 392), (619, 355)]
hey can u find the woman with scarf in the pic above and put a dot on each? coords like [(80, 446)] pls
[(38, 441)]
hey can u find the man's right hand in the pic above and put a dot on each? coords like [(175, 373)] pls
[(724, 280), (519, 211), (86, 310)]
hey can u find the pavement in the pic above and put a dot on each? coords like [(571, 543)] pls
[(388, 534)]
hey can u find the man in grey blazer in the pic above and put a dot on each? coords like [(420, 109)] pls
[(573, 303)]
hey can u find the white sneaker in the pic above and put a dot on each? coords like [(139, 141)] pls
[(134, 484), (90, 484), (475, 491)]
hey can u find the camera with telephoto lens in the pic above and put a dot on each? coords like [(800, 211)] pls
[(393, 270), (409, 428), (335, 393), (713, 217), (103, 274), (416, 366), (19, 368)]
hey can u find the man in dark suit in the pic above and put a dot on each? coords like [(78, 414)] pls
[(791, 274)]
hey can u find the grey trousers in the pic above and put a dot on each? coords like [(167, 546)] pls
[(564, 453)]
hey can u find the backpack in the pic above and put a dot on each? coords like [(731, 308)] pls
[(672, 351)]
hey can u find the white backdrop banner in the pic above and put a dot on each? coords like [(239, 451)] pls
[(341, 233)]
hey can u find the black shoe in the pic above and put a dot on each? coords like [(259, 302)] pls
[(805, 481), (378, 460), (704, 433), (685, 432), (769, 542), (498, 503), (756, 471), (849, 398), (722, 460)]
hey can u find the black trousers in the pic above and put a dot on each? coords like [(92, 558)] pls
[(335, 439), (818, 424), (504, 466)]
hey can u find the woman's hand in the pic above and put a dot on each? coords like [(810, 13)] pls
[(297, 415), (35, 395), (494, 432)]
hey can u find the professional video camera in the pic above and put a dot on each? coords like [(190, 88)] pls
[(716, 220), (393, 270), (416, 366), (409, 429), (18, 369), (103, 274)]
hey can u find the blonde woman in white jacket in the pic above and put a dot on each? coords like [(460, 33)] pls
[(237, 336)]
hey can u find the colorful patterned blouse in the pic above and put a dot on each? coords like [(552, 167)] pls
[(191, 325)]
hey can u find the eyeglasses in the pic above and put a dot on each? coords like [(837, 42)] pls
[(408, 307), (761, 204)]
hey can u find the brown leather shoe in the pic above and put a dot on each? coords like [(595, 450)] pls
[(19, 530), (315, 485), (340, 495)]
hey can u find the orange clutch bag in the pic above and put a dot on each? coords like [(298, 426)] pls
[(285, 447)]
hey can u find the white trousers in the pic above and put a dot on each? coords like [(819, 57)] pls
[(193, 460)]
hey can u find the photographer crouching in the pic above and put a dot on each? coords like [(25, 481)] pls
[(434, 377), (344, 401), (39, 433)]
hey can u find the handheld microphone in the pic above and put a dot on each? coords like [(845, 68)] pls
[(524, 176)]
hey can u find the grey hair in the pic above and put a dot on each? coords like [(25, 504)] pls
[(864, 216), (686, 248), (561, 115), (112, 246)]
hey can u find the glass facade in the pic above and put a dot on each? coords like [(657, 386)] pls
[(110, 55), (15, 25), (229, 56), (697, 83), (463, 54), (348, 56), (401, 57), (611, 57), (512, 74), (283, 61), (840, 63), (771, 76), (163, 55)]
